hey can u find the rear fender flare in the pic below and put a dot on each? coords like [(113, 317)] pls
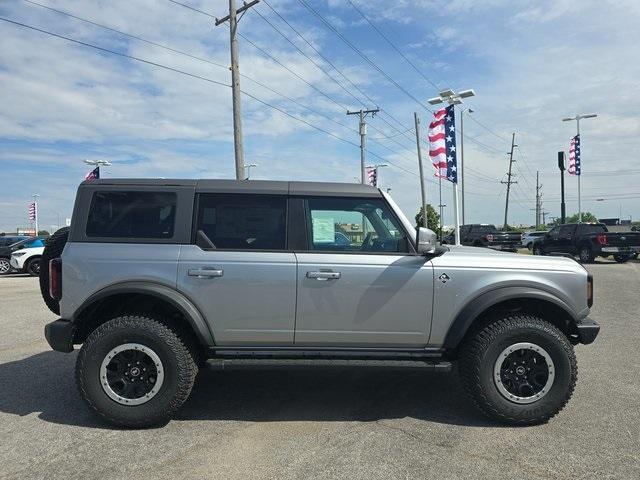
[(190, 312)]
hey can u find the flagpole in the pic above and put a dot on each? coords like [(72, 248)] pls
[(455, 212)]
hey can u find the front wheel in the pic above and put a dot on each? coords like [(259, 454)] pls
[(537, 250), (134, 371), (519, 370), (5, 266)]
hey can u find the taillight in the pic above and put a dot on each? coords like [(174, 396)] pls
[(602, 239), (489, 238), (55, 278), (589, 291)]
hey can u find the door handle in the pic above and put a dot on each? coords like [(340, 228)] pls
[(323, 276), (205, 272)]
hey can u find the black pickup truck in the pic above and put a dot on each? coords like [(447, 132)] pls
[(485, 235), (588, 240)]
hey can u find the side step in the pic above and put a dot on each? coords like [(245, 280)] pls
[(429, 365)]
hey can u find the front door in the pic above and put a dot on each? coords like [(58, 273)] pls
[(239, 273), (358, 283)]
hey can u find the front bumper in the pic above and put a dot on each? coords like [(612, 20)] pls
[(59, 335), (587, 331), (13, 261)]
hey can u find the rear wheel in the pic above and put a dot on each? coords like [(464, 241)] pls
[(519, 370), (5, 266), (586, 255), (134, 371), (33, 267), (622, 258)]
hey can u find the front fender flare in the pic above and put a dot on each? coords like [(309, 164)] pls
[(474, 308), (178, 300)]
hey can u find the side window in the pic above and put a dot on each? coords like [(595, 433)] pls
[(243, 222), (566, 231), (354, 225), (554, 232), (132, 215)]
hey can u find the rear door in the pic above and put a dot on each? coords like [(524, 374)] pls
[(368, 290), (566, 242), (239, 271)]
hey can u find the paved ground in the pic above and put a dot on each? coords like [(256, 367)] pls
[(338, 423)]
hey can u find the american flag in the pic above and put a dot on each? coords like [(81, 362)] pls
[(33, 211), (442, 144), (372, 176), (574, 156), (93, 174)]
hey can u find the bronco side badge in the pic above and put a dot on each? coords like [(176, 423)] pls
[(444, 278)]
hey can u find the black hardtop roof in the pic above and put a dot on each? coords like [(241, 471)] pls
[(246, 186)]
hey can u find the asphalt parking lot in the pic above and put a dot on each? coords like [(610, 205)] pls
[(322, 422)]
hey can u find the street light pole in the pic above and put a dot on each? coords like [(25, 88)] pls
[(470, 110), (423, 193), (577, 118)]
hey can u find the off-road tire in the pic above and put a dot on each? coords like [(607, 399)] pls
[(586, 255), (53, 248), (537, 250), (178, 363), (5, 267), (32, 267), (480, 351)]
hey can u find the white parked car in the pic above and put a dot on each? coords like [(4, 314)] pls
[(529, 238), (27, 260)]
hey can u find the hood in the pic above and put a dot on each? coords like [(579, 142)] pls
[(478, 258)]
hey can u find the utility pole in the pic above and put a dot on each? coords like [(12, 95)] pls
[(363, 133), (538, 199), (423, 192), (233, 19), (462, 156), (509, 181)]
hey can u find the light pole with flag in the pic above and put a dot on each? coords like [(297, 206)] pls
[(95, 173), (442, 150), (33, 212), (574, 154)]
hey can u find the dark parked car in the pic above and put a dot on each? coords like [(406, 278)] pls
[(485, 235), (588, 240)]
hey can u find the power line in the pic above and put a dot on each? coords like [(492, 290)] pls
[(386, 38), (360, 53), (113, 52), (195, 57), (194, 9), (488, 129)]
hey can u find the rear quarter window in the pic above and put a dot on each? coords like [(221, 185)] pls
[(121, 214)]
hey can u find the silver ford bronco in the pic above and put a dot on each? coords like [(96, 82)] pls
[(154, 277)]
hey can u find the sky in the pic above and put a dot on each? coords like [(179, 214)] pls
[(530, 63)]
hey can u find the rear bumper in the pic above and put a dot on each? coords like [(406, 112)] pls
[(59, 335), (505, 247), (634, 249), (587, 331)]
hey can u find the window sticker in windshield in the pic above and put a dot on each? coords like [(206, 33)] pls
[(324, 230)]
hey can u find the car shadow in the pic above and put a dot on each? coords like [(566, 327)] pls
[(44, 384)]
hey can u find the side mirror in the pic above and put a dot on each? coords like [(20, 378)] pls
[(426, 241)]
